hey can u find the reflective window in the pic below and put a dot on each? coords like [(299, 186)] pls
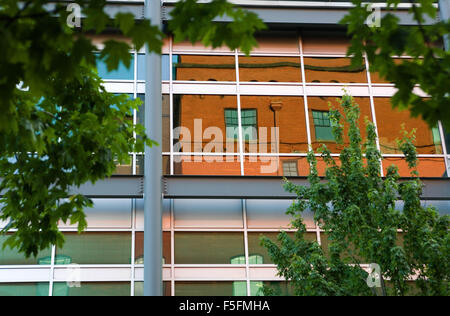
[(327, 42), (199, 123), (274, 165), (277, 42), (333, 70), (204, 68), (140, 165), (165, 119), (447, 141), (112, 213), (272, 214), (207, 248), (122, 73), (165, 67), (140, 214), (125, 167), (93, 289), (290, 168), (281, 124), (269, 69), (96, 248), (24, 289), (139, 289), (390, 124), (375, 76), (10, 256), (190, 213), (255, 248), (248, 122), (275, 288), (427, 167), (139, 251), (211, 288), (320, 123), (443, 207), (207, 165)]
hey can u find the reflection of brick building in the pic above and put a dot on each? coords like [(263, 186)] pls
[(210, 236)]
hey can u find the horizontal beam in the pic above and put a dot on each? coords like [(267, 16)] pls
[(223, 187), (114, 187), (254, 187), (276, 12)]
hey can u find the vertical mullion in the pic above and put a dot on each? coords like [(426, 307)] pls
[(372, 108), (172, 249), (133, 244), (133, 161), (171, 103), (246, 253), (52, 271), (305, 97), (238, 96), (444, 147)]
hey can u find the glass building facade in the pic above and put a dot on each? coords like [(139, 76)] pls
[(224, 113)]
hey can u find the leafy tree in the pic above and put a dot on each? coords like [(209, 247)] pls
[(59, 128), (356, 209), (429, 65)]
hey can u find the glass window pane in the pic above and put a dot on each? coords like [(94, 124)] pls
[(280, 123), (333, 70), (112, 213), (199, 123), (273, 165), (207, 165), (204, 68), (207, 248), (10, 256), (325, 42), (139, 289), (165, 67), (272, 214), (212, 288), (269, 69), (96, 248), (427, 167), (191, 213), (140, 214), (122, 73), (248, 121), (443, 207), (318, 117), (290, 169), (390, 129), (258, 254), (375, 76), (24, 289), (165, 119), (447, 141), (139, 250), (275, 288), (140, 165), (125, 167), (198, 47), (277, 42), (93, 289)]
